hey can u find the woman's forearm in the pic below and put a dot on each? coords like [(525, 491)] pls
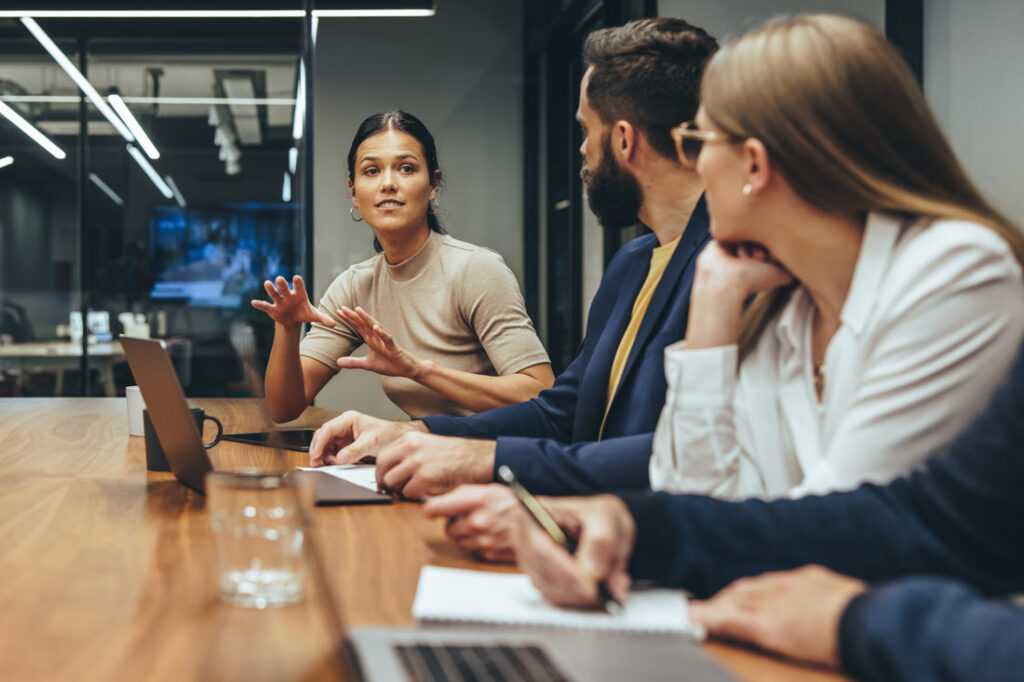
[(284, 384), (715, 311), (479, 392)]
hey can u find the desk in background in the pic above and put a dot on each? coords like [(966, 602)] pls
[(107, 569), (61, 356)]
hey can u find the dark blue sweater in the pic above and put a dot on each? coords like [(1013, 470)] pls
[(551, 442), (961, 517), (931, 630)]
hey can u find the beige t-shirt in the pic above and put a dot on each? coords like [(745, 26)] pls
[(456, 304)]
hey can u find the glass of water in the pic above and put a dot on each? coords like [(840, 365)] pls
[(258, 526)]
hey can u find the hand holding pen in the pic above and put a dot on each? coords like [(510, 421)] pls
[(585, 565)]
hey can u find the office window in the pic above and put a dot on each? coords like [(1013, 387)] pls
[(170, 234)]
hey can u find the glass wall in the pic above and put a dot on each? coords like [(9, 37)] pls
[(169, 235)]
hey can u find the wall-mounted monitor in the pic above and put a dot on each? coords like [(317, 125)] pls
[(213, 256)]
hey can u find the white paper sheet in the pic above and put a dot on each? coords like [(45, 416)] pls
[(362, 475), (450, 594)]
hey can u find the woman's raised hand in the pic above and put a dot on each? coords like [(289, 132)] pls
[(290, 305), (385, 357)]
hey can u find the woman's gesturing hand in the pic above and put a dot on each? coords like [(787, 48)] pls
[(290, 305), (385, 357)]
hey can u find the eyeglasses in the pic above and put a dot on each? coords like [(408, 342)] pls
[(690, 139)]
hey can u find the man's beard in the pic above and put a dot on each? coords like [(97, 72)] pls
[(613, 193)]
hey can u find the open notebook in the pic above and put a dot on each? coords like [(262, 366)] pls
[(449, 594)]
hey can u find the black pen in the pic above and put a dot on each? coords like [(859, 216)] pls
[(544, 520)]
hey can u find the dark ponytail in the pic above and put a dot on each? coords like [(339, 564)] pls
[(407, 123)]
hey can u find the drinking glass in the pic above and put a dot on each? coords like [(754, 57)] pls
[(259, 524)]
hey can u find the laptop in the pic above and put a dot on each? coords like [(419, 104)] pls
[(180, 438)]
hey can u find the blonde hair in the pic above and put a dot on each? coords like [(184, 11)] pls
[(846, 123)]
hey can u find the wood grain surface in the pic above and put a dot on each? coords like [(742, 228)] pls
[(106, 570)]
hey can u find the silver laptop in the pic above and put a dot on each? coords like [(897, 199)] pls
[(179, 437)]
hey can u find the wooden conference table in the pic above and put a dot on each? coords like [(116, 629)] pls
[(106, 570)]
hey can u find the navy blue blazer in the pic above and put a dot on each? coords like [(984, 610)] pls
[(551, 442)]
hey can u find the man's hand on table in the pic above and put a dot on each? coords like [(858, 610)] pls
[(793, 613), (350, 437), (418, 465)]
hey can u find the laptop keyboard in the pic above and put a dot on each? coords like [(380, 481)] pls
[(443, 663)]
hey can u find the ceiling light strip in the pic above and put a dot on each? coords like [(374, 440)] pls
[(356, 13), (30, 130), (177, 192), (105, 188), (133, 124), (150, 171), (204, 101), (76, 75), (286, 189), (6, 161), (300, 104), (156, 13)]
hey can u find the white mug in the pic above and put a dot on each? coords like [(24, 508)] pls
[(133, 397)]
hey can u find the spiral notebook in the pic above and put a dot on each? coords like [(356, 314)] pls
[(449, 594)]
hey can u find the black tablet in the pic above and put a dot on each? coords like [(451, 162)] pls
[(295, 439)]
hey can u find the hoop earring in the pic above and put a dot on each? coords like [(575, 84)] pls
[(432, 207), (747, 189), (355, 215)]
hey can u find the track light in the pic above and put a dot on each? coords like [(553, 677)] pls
[(30, 130)]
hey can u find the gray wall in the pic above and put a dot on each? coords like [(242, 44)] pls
[(461, 73), (974, 81), (728, 18)]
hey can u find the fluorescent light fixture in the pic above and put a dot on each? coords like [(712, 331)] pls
[(300, 104), (73, 99), (105, 188), (76, 75), (6, 161), (150, 171), (133, 124), (177, 192), (390, 13), (293, 159), (30, 130), (155, 13), (286, 188)]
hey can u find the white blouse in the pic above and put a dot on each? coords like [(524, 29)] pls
[(932, 321)]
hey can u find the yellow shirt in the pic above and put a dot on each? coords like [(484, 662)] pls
[(659, 261)]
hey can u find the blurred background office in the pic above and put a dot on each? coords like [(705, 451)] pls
[(215, 158)]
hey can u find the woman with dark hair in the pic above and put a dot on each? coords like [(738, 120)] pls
[(458, 338)]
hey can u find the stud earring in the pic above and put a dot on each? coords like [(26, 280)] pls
[(747, 189), (355, 215)]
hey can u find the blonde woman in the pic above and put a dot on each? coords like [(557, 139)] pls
[(888, 296)]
